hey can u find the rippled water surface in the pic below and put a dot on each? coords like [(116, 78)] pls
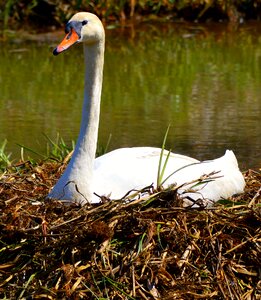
[(203, 80)]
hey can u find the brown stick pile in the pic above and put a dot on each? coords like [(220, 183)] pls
[(146, 249)]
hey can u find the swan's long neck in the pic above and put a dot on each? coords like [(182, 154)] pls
[(87, 140), (80, 168)]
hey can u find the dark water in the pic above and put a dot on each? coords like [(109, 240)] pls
[(204, 81)]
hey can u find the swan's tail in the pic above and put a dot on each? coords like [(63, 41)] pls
[(230, 181), (230, 158)]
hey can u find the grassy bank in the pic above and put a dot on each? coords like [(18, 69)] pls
[(14, 13), (151, 248)]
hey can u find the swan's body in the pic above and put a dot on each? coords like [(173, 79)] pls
[(117, 172)]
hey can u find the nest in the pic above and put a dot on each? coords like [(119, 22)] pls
[(150, 248)]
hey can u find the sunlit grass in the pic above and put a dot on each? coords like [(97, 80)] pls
[(4, 156), (161, 169), (56, 150)]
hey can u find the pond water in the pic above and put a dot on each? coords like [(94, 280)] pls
[(203, 80)]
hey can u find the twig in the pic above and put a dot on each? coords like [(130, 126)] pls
[(252, 202)]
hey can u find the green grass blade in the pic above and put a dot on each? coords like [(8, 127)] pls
[(164, 168), (26, 285), (32, 151), (116, 286), (90, 290), (158, 234), (160, 173), (141, 243), (179, 169), (108, 143), (4, 157)]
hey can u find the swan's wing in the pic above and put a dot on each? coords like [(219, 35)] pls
[(122, 170), (125, 169)]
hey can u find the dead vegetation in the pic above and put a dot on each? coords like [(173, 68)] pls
[(146, 249)]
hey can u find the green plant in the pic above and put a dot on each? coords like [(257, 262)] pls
[(161, 169), (55, 149), (4, 157), (103, 149)]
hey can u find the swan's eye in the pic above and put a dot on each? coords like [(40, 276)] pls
[(84, 22)]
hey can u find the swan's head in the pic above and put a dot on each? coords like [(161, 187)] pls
[(82, 27)]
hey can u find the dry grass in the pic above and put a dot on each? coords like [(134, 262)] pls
[(146, 249)]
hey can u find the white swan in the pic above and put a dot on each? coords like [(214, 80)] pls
[(117, 172)]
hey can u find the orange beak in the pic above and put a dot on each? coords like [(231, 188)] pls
[(71, 38)]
